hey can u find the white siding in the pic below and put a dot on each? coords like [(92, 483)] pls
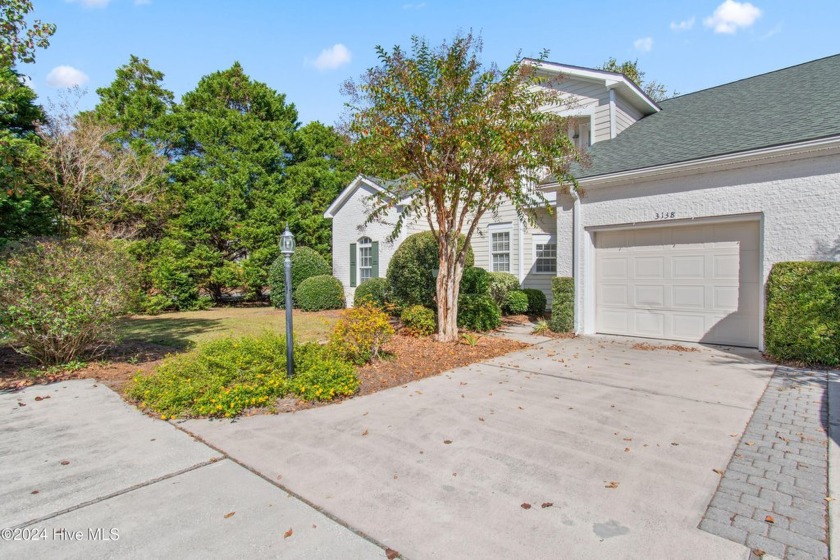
[(589, 97), (546, 224), (625, 114), (481, 238)]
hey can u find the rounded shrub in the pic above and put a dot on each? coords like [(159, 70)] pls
[(475, 280), (411, 271), (375, 290), (418, 320), (319, 293), (306, 263), (500, 284), (360, 334), (516, 302), (60, 299), (537, 301), (478, 313)]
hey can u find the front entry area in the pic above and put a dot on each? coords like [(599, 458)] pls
[(697, 283)]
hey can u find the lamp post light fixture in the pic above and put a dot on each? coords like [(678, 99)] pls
[(287, 248)]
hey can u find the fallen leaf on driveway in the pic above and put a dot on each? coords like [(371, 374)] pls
[(447, 441), (65, 462), (391, 554), (674, 443), (758, 552), (525, 505), (612, 484), (546, 505), (481, 418), (35, 492), (21, 404), (769, 519), (718, 471), (287, 534), (748, 443), (41, 398), (230, 514), (627, 450), (829, 499), (365, 433)]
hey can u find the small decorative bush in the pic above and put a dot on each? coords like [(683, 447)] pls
[(360, 334), (59, 300), (306, 263), (478, 313), (410, 271), (500, 284), (376, 290), (563, 304), (516, 302), (319, 293), (802, 319), (225, 377), (475, 281), (541, 328), (419, 320), (537, 301)]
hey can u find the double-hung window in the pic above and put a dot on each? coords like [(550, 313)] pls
[(545, 255), (500, 250), (365, 259)]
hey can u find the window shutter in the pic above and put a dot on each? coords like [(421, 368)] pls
[(352, 265), (374, 259)]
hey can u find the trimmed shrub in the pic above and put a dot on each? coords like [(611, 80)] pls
[(563, 304), (500, 284), (60, 299), (537, 301), (376, 290), (802, 319), (410, 271), (227, 376), (318, 293), (478, 313), (419, 320), (475, 280), (360, 334), (306, 263), (516, 302)]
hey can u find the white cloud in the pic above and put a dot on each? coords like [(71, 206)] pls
[(731, 16), (333, 57), (66, 76), (684, 25), (645, 44), (414, 6), (90, 3)]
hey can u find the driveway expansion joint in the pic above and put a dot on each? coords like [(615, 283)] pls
[(772, 495)]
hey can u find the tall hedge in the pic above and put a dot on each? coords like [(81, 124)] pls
[(802, 317), (306, 263), (563, 304), (411, 271)]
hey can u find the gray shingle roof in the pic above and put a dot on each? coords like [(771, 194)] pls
[(790, 105)]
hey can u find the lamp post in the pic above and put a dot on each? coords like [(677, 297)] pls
[(287, 248)]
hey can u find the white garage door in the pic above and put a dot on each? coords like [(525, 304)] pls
[(693, 283)]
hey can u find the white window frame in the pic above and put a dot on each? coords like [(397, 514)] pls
[(500, 228), (544, 239), (582, 144), (364, 243)]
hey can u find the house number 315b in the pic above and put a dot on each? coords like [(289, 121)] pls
[(665, 215)]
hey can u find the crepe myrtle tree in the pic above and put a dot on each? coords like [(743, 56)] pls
[(462, 137)]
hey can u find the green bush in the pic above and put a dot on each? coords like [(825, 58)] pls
[(500, 284), (478, 313), (536, 301), (360, 333), (60, 299), (410, 272), (475, 281), (563, 304), (225, 377), (319, 293), (802, 319), (516, 302), (306, 263), (172, 285), (419, 320), (376, 290)]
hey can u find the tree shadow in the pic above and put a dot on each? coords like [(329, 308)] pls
[(171, 332), (827, 251)]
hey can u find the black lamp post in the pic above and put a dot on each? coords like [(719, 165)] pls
[(287, 248)]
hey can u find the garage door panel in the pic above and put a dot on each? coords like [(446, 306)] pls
[(696, 283)]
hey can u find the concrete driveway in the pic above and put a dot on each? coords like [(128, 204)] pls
[(613, 448), (85, 475)]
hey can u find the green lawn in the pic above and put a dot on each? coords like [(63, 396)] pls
[(182, 330)]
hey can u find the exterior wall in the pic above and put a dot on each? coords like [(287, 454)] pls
[(796, 201), (625, 114), (546, 224), (481, 238), (589, 98), (347, 228)]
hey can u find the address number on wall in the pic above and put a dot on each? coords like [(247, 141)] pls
[(665, 215)]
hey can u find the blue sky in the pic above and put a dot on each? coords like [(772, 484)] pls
[(307, 48)]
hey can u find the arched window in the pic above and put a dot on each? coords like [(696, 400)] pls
[(365, 246)]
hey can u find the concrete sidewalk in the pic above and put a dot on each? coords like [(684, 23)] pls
[(84, 475)]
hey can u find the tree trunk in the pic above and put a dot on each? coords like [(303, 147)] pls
[(448, 284)]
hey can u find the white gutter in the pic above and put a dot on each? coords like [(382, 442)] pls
[(612, 113), (577, 236)]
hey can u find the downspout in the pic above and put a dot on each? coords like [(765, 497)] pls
[(577, 235), (521, 248)]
